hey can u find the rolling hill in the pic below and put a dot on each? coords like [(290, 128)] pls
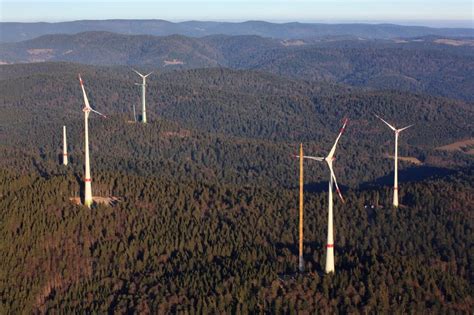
[(237, 124), (420, 67)]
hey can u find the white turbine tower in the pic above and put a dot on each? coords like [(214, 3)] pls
[(301, 223), (395, 176), (65, 160), (87, 172), (143, 85), (332, 182)]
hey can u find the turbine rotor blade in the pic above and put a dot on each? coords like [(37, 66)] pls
[(93, 110), (148, 74), (316, 158), (404, 128), (138, 73), (391, 127), (335, 182), (333, 149), (86, 101)]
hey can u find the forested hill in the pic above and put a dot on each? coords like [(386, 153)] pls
[(240, 103), (235, 126), (433, 65), (11, 32)]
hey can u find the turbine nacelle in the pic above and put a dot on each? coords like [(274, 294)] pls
[(404, 128)]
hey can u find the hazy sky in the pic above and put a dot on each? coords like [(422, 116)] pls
[(429, 12)]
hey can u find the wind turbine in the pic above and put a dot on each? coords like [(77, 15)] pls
[(329, 159), (87, 176), (395, 176), (143, 84), (301, 260), (64, 146)]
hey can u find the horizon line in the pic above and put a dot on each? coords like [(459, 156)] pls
[(420, 23)]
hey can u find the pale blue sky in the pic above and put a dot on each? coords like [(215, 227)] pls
[(424, 12)]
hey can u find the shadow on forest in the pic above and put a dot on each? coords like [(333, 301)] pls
[(319, 187), (411, 174), (40, 169), (81, 187)]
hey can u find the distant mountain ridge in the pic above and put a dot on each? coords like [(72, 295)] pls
[(14, 32)]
